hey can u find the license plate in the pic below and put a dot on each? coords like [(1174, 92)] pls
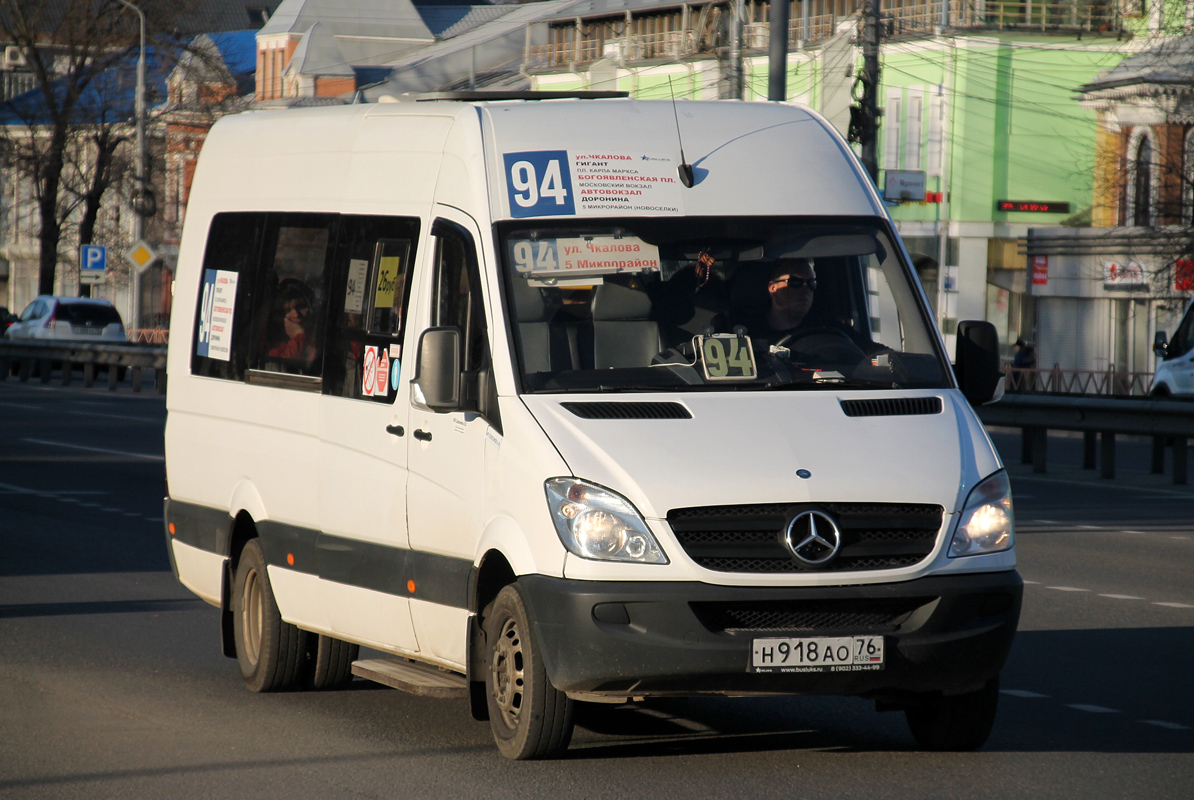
[(843, 654)]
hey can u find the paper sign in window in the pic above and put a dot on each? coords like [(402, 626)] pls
[(388, 269)]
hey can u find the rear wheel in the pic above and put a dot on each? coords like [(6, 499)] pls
[(529, 717), (327, 662), (268, 650), (960, 722)]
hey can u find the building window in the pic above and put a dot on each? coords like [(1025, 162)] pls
[(1141, 183)]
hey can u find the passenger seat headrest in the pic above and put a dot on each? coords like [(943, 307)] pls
[(613, 301), (529, 302)]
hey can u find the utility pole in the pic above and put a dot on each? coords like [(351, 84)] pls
[(864, 117), (777, 57), (735, 77)]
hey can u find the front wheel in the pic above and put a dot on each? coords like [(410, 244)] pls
[(269, 651), (529, 717), (957, 723)]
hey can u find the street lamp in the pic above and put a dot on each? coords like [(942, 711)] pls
[(139, 204)]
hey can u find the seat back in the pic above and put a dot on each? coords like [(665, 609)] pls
[(624, 335)]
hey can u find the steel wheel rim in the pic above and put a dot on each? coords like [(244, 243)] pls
[(508, 674), (251, 616)]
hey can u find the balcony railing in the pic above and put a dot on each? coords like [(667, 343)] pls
[(900, 18)]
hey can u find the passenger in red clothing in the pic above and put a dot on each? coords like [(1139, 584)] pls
[(294, 338)]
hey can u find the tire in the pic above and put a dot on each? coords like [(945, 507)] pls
[(327, 662), (958, 723), (529, 717), (268, 650)]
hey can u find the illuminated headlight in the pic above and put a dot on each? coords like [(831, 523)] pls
[(596, 523), (987, 523)]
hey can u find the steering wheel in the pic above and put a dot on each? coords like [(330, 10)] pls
[(831, 344)]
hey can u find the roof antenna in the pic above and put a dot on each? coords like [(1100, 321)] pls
[(685, 169)]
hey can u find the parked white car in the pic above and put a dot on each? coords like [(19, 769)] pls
[(70, 319)]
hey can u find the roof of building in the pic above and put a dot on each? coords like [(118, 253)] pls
[(108, 99), (395, 19), (1169, 64)]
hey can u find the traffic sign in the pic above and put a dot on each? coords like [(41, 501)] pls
[(141, 254), (93, 262)]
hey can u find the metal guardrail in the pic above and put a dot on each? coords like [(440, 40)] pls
[(1106, 382), (1168, 422), (24, 358)]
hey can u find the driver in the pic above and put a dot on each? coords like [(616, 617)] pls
[(790, 287)]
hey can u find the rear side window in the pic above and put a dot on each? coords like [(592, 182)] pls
[(92, 314), (304, 301), (368, 307), (223, 319), (290, 299)]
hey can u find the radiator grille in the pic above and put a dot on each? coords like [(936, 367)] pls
[(855, 616), (749, 538)]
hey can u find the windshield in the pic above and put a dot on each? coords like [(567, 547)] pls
[(725, 304)]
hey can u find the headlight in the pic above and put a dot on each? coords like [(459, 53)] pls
[(987, 523), (596, 523)]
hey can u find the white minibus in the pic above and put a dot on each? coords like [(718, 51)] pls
[(563, 400)]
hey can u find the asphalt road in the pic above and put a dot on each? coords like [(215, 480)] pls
[(112, 683)]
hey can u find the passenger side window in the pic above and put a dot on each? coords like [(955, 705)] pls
[(290, 301), (371, 292), (223, 319), (457, 295)]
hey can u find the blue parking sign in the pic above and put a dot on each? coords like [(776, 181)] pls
[(93, 258)]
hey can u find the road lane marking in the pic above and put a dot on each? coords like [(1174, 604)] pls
[(22, 405), (1160, 723), (1122, 596), (1174, 605), (1022, 693), (1092, 709), (1067, 589), (96, 449)]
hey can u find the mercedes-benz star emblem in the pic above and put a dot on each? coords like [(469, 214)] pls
[(813, 537)]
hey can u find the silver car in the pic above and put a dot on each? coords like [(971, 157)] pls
[(69, 319)]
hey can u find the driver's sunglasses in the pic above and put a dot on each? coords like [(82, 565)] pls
[(798, 283)]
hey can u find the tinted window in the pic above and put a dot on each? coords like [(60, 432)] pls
[(1183, 337), (223, 318), (371, 292), (457, 296), (88, 314), (290, 298)]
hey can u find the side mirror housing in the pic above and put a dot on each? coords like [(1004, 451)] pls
[(977, 366), (1160, 344), (436, 383)]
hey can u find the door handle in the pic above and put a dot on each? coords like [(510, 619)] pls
[(395, 430), (422, 435)]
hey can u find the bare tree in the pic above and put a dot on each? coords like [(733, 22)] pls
[(70, 128)]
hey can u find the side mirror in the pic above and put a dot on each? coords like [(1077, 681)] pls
[(977, 366), (1160, 344), (436, 383)]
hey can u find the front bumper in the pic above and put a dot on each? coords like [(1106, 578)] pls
[(946, 634)]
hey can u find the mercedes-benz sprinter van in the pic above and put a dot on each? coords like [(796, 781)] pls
[(546, 412)]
